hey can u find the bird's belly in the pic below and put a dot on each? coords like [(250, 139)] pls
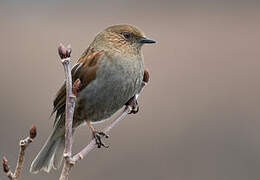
[(104, 96)]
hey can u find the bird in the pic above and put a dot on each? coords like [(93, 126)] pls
[(111, 71)]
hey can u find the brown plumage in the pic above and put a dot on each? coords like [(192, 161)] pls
[(85, 71)]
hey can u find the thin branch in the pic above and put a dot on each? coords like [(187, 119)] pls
[(70, 98), (70, 105), (23, 145)]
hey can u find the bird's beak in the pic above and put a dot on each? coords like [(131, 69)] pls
[(146, 40)]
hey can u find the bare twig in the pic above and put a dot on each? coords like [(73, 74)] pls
[(70, 105), (70, 98), (23, 144)]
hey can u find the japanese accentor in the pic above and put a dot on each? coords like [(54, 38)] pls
[(111, 71)]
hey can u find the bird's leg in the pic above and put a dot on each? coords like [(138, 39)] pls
[(133, 104), (97, 135)]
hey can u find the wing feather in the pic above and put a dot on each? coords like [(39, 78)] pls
[(85, 70)]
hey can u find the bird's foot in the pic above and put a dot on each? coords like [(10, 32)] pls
[(97, 136), (133, 104)]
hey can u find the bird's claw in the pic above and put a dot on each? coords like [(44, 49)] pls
[(97, 136), (134, 110), (134, 105)]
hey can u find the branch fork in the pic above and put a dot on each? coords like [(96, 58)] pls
[(23, 145)]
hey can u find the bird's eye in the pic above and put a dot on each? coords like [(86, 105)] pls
[(127, 35)]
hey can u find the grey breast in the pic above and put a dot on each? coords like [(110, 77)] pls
[(114, 85)]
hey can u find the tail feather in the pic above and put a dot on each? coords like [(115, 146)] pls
[(50, 155), (59, 154)]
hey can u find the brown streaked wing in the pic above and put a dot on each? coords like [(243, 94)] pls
[(85, 70)]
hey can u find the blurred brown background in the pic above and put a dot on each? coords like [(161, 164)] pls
[(199, 117)]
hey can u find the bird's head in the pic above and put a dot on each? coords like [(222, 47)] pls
[(122, 38)]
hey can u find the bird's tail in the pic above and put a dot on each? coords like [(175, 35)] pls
[(50, 155)]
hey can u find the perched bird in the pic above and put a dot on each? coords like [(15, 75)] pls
[(111, 71)]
